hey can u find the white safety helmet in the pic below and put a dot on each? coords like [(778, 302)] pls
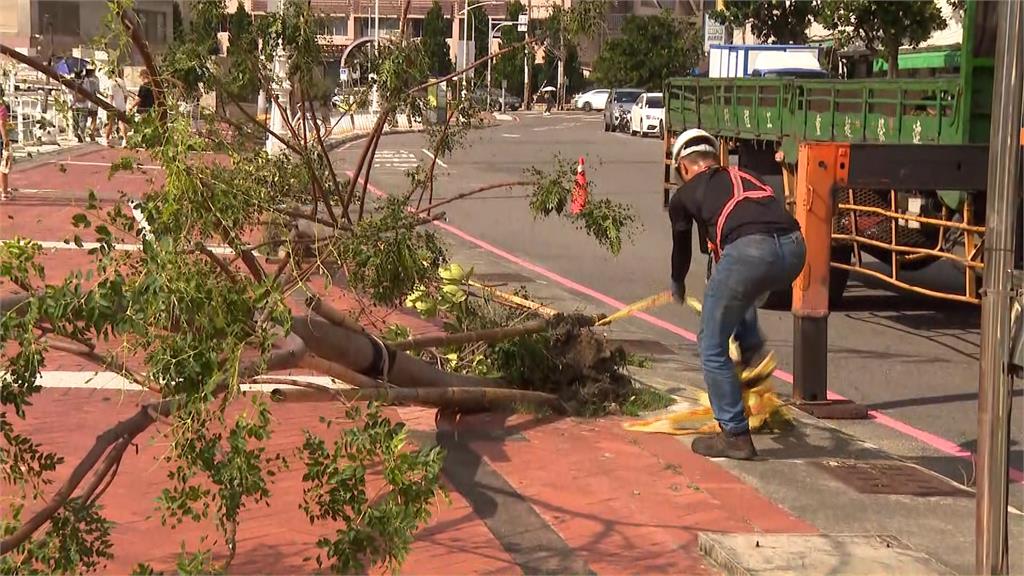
[(693, 140)]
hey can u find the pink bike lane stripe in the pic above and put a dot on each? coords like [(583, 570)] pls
[(937, 442)]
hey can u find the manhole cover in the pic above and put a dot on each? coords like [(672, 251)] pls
[(637, 346), (502, 278), (877, 477)]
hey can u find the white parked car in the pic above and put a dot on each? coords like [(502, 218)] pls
[(591, 100), (648, 115)]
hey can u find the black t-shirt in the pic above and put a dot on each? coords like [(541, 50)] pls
[(702, 199), (146, 99)]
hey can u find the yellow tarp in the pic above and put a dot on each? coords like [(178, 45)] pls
[(761, 404)]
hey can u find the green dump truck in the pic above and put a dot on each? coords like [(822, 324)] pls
[(944, 119)]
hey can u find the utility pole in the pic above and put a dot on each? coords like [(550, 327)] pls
[(994, 385), (527, 61), (374, 99), (561, 68), (281, 88)]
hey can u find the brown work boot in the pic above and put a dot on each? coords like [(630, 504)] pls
[(725, 445)]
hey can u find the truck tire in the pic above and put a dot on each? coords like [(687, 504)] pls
[(837, 281)]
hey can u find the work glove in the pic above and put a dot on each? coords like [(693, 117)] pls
[(679, 292)]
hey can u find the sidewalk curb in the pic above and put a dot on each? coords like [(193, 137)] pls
[(39, 158)]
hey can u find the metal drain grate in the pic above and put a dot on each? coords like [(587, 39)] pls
[(637, 346), (886, 477), (502, 278)]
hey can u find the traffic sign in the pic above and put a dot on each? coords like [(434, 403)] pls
[(523, 22), (714, 33), (343, 74)]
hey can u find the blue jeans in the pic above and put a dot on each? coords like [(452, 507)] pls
[(749, 268)]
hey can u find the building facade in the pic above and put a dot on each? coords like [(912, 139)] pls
[(57, 27)]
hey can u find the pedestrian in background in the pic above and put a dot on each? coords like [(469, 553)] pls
[(119, 99), (146, 100), (79, 107), (6, 155), (92, 84)]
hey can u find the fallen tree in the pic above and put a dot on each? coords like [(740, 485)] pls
[(203, 322)]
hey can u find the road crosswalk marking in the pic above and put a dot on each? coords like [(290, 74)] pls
[(395, 159)]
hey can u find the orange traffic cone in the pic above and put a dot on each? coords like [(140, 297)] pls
[(579, 190)]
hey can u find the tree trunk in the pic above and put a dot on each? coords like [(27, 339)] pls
[(892, 54), (356, 351), (462, 399)]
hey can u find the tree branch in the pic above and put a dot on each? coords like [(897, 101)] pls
[(266, 129), (466, 399), (218, 261), (339, 372), (483, 60), (489, 335), (126, 430), (473, 192)]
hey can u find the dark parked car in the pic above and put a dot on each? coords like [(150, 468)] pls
[(620, 98), (495, 102)]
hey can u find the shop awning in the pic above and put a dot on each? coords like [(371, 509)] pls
[(926, 59)]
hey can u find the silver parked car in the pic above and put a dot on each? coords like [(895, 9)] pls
[(620, 102)]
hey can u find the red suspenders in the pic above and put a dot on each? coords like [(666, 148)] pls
[(738, 194)]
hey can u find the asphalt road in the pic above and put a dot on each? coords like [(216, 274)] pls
[(910, 357)]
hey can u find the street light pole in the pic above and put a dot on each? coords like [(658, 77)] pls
[(490, 38), (994, 386)]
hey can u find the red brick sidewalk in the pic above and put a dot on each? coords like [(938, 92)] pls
[(624, 502)]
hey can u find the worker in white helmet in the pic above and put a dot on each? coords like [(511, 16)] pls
[(757, 247)]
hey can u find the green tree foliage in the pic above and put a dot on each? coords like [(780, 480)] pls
[(177, 22), (508, 67), (562, 31), (651, 49), (244, 44), (883, 25), (435, 28), (771, 21)]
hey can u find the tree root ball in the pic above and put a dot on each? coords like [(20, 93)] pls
[(586, 373)]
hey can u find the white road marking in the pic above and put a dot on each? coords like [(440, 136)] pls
[(511, 135), (114, 381), (107, 164), (38, 190), (439, 161), (49, 245)]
